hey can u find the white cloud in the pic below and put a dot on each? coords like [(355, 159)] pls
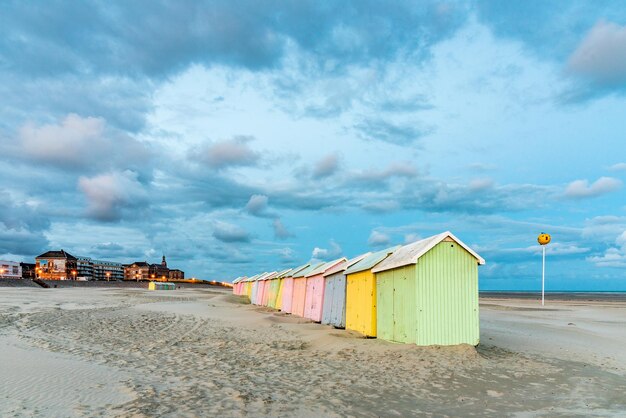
[(582, 188), (227, 232), (77, 142), (333, 251), (231, 152), (378, 238), (601, 56), (618, 167), (613, 256), (108, 194)]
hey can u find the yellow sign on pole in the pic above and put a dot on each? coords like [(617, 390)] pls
[(543, 239)]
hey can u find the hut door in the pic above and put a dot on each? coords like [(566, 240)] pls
[(403, 307), (384, 310)]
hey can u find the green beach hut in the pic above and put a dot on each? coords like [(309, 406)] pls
[(427, 293)]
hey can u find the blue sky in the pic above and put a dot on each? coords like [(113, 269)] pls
[(238, 137)]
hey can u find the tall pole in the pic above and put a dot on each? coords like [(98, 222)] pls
[(543, 275)]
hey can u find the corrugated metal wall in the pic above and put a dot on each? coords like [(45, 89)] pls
[(287, 294), (314, 297), (361, 302), (395, 304), (447, 297), (279, 295), (299, 295)]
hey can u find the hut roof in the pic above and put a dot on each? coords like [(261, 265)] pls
[(326, 266), (346, 264), (306, 271), (255, 277), (282, 273), (268, 276), (297, 270), (371, 260), (411, 253)]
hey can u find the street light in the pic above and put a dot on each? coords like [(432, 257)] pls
[(74, 274), (108, 274)]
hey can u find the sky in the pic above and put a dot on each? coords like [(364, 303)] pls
[(240, 137)]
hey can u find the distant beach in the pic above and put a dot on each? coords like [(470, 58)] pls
[(204, 352)]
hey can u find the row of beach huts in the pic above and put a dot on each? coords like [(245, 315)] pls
[(424, 293)]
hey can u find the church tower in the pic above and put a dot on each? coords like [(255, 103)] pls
[(163, 262)]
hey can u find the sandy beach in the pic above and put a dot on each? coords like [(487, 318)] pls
[(204, 352)]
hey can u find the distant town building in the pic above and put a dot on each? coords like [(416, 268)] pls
[(142, 270), (56, 265), (107, 270), (139, 270), (10, 270), (84, 268), (28, 270), (176, 274)]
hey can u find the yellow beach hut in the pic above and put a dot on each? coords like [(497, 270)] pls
[(361, 293)]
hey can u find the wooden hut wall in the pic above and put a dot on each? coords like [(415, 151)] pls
[(287, 305), (334, 311), (361, 303)]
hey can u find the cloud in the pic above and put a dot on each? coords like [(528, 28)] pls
[(618, 167), (333, 251), (377, 238), (601, 56), (326, 166), (257, 204), (228, 153), (280, 231), (79, 143), (582, 189), (391, 132), (614, 256), (108, 195), (227, 232), (22, 227)]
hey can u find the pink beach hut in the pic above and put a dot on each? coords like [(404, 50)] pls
[(314, 296), (299, 290), (257, 289), (286, 305)]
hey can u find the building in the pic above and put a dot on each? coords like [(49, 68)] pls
[(299, 290), (28, 270), (10, 270), (56, 265), (107, 270), (176, 274), (427, 293), (361, 293), (314, 297), (334, 311), (139, 270), (142, 270), (84, 268)]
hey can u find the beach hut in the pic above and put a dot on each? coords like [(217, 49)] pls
[(263, 287), (267, 283), (299, 289), (274, 289), (279, 296), (314, 296), (334, 310), (361, 293), (286, 305), (257, 288), (428, 293)]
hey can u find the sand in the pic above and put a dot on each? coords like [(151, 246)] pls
[(133, 352)]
